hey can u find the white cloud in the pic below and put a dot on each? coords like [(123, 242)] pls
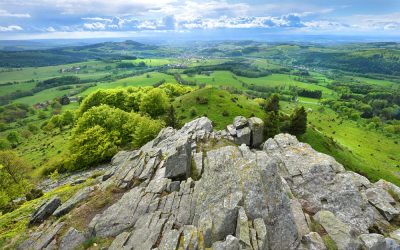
[(5, 13), (99, 19), (50, 29), (94, 26), (11, 28)]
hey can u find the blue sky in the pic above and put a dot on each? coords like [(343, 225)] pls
[(41, 19)]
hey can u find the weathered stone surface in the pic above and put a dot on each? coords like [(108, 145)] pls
[(395, 235), (242, 230), (391, 244), (47, 237), (45, 210), (231, 130), (256, 126), (240, 122), (312, 241), (72, 239), (373, 241), (170, 240), (202, 123), (157, 186), (243, 136), (320, 183), (73, 201), (263, 197), (120, 215), (231, 243), (262, 237), (198, 163), (340, 232), (382, 200)]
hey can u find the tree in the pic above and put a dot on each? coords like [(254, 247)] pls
[(171, 120), (272, 104), (154, 103), (271, 125), (146, 131), (14, 138), (4, 144), (298, 121), (93, 146), (67, 118), (64, 100), (12, 177)]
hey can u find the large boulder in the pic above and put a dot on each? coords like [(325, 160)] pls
[(240, 122), (243, 136), (340, 232), (45, 211), (81, 195), (256, 126)]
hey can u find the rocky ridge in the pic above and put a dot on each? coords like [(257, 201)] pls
[(196, 188)]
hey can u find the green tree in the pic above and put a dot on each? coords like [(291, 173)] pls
[(171, 120), (67, 118), (14, 138), (272, 104), (298, 121), (12, 177), (146, 131), (4, 144), (271, 125), (154, 103), (93, 146)]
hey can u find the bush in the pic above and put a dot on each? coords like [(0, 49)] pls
[(93, 146), (154, 103), (4, 144), (193, 112)]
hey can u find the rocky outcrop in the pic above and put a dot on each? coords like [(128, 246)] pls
[(45, 210), (194, 188), (245, 131)]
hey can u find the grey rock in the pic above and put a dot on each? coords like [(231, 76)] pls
[(340, 232), (230, 243), (261, 230), (391, 244), (243, 136), (178, 161), (119, 241), (382, 200), (395, 235), (373, 241), (73, 201), (173, 186), (198, 163), (242, 230), (123, 214), (257, 131), (48, 236), (320, 183), (72, 239), (231, 130), (170, 240), (202, 123), (240, 122), (157, 186), (45, 210), (312, 241)]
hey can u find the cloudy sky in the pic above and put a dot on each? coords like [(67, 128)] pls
[(30, 19)]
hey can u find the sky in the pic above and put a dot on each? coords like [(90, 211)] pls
[(65, 19)]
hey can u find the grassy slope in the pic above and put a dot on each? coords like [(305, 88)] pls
[(364, 151), (218, 101)]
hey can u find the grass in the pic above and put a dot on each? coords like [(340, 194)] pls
[(367, 152), (218, 101), (13, 225)]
